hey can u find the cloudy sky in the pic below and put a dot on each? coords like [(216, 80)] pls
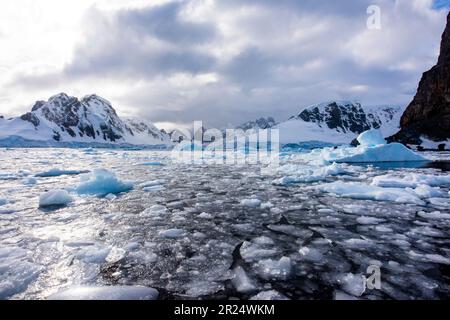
[(223, 62)]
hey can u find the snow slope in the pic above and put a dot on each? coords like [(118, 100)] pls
[(338, 122), (90, 120)]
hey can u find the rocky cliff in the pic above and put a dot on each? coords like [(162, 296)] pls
[(428, 115)]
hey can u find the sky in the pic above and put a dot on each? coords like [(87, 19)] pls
[(220, 61)]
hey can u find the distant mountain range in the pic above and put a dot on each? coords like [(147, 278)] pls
[(337, 122), (64, 119)]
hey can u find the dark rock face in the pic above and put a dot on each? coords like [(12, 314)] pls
[(348, 117), (91, 119), (261, 123), (31, 117), (429, 113)]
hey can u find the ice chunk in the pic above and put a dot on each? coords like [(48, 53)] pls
[(156, 209), (435, 215), (368, 220), (110, 196), (16, 271), (353, 284), (153, 188), (256, 251), (311, 254), (3, 202), (440, 202), (425, 191), (102, 182), (107, 293), (152, 183), (371, 138), (93, 254), (410, 180), (357, 190), (272, 269), (269, 295), (201, 288), (205, 215), (172, 233), (55, 198), (251, 203), (58, 172), (309, 174), (29, 181), (429, 257), (241, 281)]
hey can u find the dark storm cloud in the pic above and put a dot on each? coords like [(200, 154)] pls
[(164, 22), (144, 43)]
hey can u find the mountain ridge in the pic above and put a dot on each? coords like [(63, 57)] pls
[(63, 118)]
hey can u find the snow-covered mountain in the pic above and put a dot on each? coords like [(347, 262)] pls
[(339, 122), (261, 123), (90, 120)]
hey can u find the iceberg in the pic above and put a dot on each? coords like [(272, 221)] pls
[(55, 198), (371, 138), (394, 152), (372, 148), (102, 182)]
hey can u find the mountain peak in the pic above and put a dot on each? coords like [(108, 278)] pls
[(64, 118), (428, 115), (261, 123)]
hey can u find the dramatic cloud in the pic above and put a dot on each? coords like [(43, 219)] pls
[(225, 62)]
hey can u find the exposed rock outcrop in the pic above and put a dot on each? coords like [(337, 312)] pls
[(428, 115)]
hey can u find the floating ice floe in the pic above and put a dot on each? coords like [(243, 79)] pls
[(241, 281), (259, 248), (172, 233), (55, 198), (269, 295), (358, 190), (29, 181), (102, 182), (272, 269), (58, 172), (435, 215), (251, 203), (17, 271), (151, 183), (353, 284), (410, 180), (107, 293), (309, 174), (151, 186), (3, 202), (93, 254), (311, 254)]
